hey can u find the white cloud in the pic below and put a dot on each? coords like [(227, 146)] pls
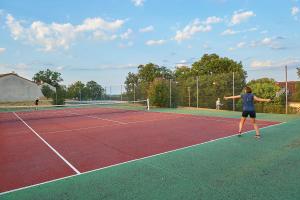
[(212, 20), (295, 10), (229, 32), (15, 27), (2, 50), (155, 42), (138, 2), (240, 16), (196, 26), (100, 35), (272, 42), (91, 24), (291, 62), (147, 29), (267, 41), (241, 45), (60, 68), (238, 46), (55, 35), (126, 35), (266, 63), (191, 29), (233, 32), (182, 63)]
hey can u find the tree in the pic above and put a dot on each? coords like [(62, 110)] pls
[(296, 95), (47, 92), (264, 87), (159, 93), (59, 97), (214, 64), (267, 88), (215, 79), (76, 91), (51, 77), (132, 86), (95, 90), (139, 83)]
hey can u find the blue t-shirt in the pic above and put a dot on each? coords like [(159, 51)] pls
[(248, 102)]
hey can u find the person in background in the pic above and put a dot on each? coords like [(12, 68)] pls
[(36, 103), (218, 104), (248, 109)]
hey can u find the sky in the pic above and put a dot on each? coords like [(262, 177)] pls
[(103, 40)]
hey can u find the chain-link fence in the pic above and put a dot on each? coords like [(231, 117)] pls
[(208, 91)]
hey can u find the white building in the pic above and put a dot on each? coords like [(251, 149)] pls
[(15, 88)]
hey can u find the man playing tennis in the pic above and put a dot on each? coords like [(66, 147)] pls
[(248, 109)]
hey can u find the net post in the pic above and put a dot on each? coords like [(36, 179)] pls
[(148, 104)]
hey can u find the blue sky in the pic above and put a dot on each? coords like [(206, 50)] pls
[(104, 40)]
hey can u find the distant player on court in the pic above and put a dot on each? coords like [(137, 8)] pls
[(248, 109), (218, 104), (36, 103)]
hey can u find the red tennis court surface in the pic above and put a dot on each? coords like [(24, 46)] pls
[(41, 146)]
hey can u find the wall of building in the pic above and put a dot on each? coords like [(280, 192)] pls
[(14, 88)]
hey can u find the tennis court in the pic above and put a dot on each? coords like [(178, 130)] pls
[(48, 146)]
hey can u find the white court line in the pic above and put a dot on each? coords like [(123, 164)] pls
[(99, 169), (95, 117), (58, 154), (223, 119), (111, 125)]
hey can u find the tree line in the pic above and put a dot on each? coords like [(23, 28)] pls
[(200, 84), (76, 91), (206, 80)]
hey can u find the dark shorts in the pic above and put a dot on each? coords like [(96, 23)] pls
[(247, 113)]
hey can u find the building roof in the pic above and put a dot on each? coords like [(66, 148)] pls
[(15, 74)]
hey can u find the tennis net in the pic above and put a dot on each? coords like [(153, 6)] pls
[(140, 105)]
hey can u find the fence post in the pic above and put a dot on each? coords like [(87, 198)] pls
[(170, 93), (56, 96), (189, 91), (133, 92), (121, 92), (286, 90), (233, 100), (197, 91), (80, 94)]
